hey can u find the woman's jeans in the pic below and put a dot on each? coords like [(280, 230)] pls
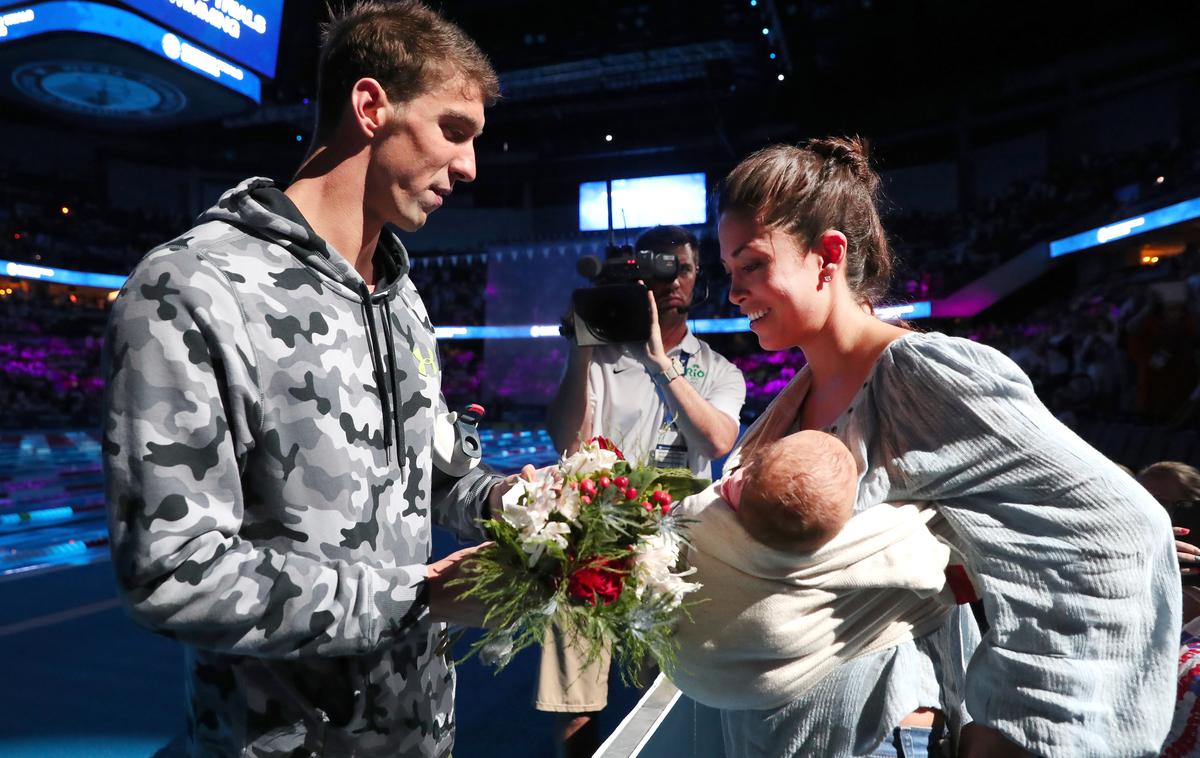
[(911, 742)]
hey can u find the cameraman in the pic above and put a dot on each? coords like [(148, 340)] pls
[(671, 402)]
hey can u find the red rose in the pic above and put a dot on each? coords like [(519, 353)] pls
[(607, 444), (598, 581)]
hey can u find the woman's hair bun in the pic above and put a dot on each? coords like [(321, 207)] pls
[(852, 153)]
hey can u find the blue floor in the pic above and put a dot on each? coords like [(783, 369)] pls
[(90, 684), (81, 680)]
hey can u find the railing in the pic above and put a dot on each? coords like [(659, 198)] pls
[(666, 724)]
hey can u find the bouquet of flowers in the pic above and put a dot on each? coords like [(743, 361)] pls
[(593, 546)]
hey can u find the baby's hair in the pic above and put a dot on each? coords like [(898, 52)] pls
[(812, 488), (1187, 477)]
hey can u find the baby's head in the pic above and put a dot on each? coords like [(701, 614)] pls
[(798, 491)]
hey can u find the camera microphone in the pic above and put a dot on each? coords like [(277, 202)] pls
[(589, 266), (694, 302)]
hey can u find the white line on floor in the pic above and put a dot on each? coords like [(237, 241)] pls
[(57, 618)]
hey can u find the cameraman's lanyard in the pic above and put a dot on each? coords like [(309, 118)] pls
[(670, 448)]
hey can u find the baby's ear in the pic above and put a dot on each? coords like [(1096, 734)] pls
[(731, 488)]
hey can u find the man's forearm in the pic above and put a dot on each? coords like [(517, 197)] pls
[(567, 414), (706, 429), (460, 504)]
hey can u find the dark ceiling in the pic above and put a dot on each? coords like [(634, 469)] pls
[(697, 77), (693, 84)]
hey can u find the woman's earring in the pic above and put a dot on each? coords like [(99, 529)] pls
[(828, 275)]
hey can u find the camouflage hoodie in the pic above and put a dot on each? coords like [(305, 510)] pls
[(267, 463)]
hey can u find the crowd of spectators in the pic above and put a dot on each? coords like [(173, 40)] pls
[(58, 222), (50, 359), (1121, 348), (939, 252), (453, 288), (1117, 348), (1126, 347), (61, 222)]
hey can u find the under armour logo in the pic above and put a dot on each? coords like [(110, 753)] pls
[(425, 365)]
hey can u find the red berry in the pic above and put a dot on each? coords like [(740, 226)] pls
[(604, 482), (587, 487), (662, 497), (666, 507), (631, 494), (649, 508), (587, 500), (621, 481)]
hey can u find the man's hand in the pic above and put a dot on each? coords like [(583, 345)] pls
[(496, 494), (446, 603), (655, 358), (979, 741)]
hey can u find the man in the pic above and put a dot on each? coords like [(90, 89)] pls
[(673, 402), (272, 388)]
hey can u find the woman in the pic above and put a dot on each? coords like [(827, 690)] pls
[(1074, 561)]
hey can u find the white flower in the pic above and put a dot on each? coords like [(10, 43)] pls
[(552, 532), (528, 506), (568, 504), (654, 561), (590, 459), (531, 491)]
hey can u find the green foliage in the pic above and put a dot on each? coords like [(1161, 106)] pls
[(523, 599)]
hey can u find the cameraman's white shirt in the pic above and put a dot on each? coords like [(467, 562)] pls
[(627, 408)]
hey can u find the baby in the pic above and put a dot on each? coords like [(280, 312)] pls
[(793, 581), (796, 493)]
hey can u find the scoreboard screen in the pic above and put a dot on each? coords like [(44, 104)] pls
[(114, 22), (245, 31)]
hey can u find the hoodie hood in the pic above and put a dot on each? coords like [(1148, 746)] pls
[(259, 208)]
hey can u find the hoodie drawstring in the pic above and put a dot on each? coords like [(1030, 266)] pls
[(381, 381), (391, 354)]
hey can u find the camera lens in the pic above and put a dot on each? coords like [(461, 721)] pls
[(664, 267)]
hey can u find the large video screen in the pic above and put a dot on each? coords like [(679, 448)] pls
[(102, 19), (644, 202), (246, 31)]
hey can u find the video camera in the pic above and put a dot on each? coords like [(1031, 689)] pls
[(614, 308)]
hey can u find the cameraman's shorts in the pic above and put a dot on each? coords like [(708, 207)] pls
[(565, 684)]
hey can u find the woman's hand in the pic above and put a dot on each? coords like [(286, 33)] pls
[(1188, 555)]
